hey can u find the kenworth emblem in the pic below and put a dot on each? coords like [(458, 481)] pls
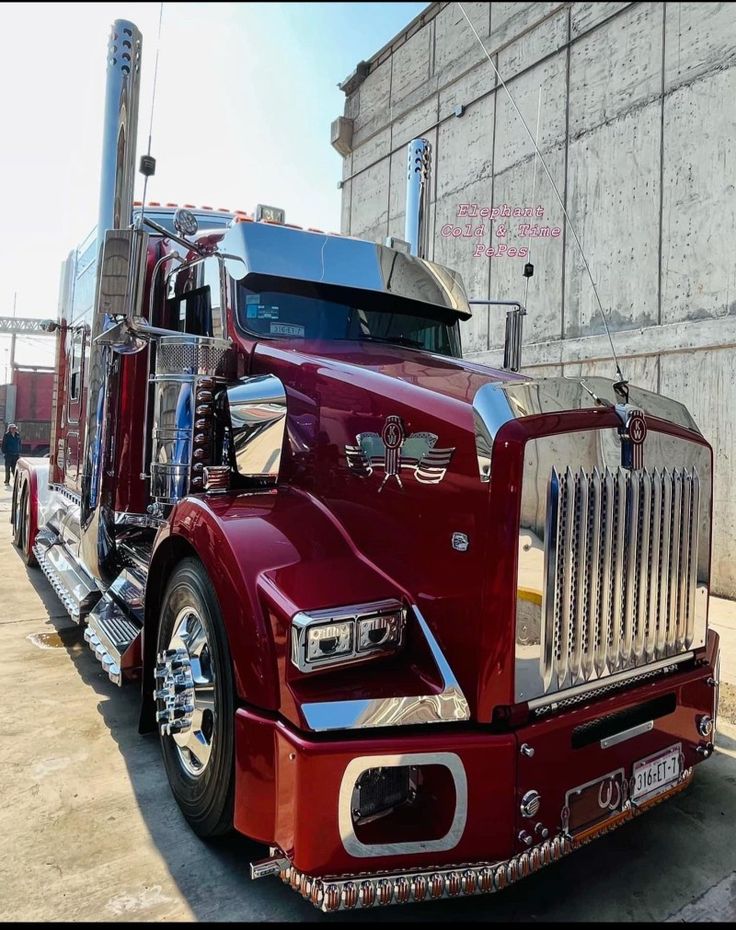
[(394, 450), (633, 432)]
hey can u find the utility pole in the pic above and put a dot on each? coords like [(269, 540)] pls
[(12, 340)]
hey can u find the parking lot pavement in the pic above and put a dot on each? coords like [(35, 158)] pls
[(89, 830)]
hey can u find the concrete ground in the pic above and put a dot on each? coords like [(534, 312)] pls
[(90, 832)]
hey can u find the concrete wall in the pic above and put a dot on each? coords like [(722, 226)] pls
[(638, 127)]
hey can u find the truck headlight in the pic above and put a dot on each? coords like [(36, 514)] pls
[(333, 637), (329, 639), (380, 632)]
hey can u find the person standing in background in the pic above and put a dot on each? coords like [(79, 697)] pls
[(11, 450)]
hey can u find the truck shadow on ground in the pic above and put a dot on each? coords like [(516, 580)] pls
[(214, 880)]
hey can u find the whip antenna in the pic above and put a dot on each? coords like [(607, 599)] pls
[(527, 277), (148, 162), (622, 381)]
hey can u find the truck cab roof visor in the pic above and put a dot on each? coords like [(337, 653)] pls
[(262, 251)]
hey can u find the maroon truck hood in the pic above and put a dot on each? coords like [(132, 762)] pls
[(341, 390), (455, 378)]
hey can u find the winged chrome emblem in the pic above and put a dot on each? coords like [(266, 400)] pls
[(393, 450)]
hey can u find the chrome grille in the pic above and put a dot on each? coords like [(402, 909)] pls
[(620, 571)]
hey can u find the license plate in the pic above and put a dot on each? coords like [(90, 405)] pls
[(656, 772)]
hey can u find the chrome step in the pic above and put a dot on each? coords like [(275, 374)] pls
[(129, 590), (74, 587), (114, 638)]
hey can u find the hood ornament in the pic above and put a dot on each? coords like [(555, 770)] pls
[(393, 450), (633, 432)]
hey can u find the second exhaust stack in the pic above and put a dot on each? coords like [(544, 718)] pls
[(417, 196)]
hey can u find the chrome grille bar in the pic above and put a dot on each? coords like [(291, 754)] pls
[(692, 560), (620, 571), (631, 589)]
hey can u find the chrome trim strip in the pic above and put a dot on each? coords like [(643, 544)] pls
[(627, 734), (589, 694), (353, 771), (609, 681), (126, 518), (448, 706)]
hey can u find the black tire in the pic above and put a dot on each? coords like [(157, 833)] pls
[(25, 543), (16, 517), (207, 799), (22, 522)]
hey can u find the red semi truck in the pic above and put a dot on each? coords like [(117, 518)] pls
[(419, 625)]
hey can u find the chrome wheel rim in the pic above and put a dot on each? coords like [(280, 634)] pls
[(185, 694)]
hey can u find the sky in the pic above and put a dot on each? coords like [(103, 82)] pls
[(245, 96)]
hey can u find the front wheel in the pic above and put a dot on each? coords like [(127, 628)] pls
[(195, 701)]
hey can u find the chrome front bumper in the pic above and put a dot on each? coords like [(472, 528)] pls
[(348, 892)]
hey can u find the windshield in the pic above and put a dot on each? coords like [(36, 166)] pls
[(276, 314)]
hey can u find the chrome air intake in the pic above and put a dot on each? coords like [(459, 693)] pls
[(189, 371)]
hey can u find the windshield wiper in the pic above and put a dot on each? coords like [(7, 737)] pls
[(399, 340)]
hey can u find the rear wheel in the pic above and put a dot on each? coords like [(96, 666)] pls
[(16, 517), (195, 702), (22, 524)]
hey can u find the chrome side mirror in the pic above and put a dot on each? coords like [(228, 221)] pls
[(122, 277), (122, 339), (257, 411)]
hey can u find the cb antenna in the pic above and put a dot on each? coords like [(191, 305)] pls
[(148, 162), (621, 387)]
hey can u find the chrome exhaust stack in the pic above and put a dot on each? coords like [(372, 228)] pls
[(417, 196), (117, 180), (122, 93)]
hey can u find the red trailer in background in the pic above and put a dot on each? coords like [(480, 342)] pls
[(26, 401)]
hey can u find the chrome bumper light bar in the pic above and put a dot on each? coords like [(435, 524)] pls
[(362, 891)]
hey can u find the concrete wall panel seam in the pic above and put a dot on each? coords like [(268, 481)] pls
[(661, 169)]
